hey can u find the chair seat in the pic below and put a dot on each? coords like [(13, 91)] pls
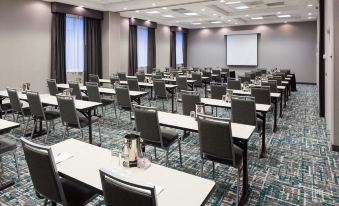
[(26, 111), (75, 194), (7, 145), (51, 115), (168, 138), (6, 107), (107, 101)]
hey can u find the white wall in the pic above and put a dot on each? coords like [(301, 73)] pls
[(25, 43), (286, 46)]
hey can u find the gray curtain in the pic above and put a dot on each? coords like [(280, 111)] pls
[(151, 58), (93, 48), (58, 51), (185, 49), (173, 57), (133, 51)]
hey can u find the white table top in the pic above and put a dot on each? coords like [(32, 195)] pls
[(145, 84), (174, 80), (103, 90), (241, 92), (104, 81), (6, 125), (240, 131), (51, 100), (179, 188), (222, 103)]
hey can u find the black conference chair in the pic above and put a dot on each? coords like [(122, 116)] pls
[(189, 100), (46, 181), (70, 117), (160, 92), (198, 79), (94, 96), (216, 75), (18, 108), (182, 84), (141, 77), (39, 113), (113, 80), (123, 101), (217, 90), (234, 84), (272, 84), (5, 107), (94, 78), (262, 95), (76, 91), (122, 76), (119, 190), (8, 147), (147, 123), (133, 85), (243, 110), (244, 79), (216, 144), (52, 87)]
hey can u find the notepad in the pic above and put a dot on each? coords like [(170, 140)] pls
[(62, 157)]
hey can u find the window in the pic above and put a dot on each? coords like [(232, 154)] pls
[(179, 47), (142, 38), (74, 44)]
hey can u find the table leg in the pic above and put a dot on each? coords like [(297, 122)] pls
[(205, 89), (89, 117), (245, 185), (263, 141), (1, 110), (285, 97), (281, 107), (275, 114), (173, 101)]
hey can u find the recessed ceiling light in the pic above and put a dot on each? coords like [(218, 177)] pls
[(125, 8), (216, 22), (257, 18), (278, 12), (191, 14), (222, 1), (196, 23), (153, 12), (241, 7), (153, 4), (202, 9), (214, 14), (284, 16), (164, 8), (137, 11), (168, 16), (233, 2), (81, 6), (310, 5), (310, 14), (229, 20), (247, 15)]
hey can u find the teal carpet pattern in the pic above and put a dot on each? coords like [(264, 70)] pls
[(300, 169)]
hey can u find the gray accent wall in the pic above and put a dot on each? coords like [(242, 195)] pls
[(286, 46), (25, 43)]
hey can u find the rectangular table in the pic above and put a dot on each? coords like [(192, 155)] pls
[(240, 132), (179, 188), (135, 95), (5, 127), (85, 107)]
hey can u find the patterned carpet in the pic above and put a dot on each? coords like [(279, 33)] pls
[(300, 168)]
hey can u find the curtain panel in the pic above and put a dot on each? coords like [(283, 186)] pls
[(173, 61), (93, 48), (133, 50), (151, 59), (185, 49), (58, 48)]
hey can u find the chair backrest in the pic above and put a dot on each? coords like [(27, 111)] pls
[(122, 76), (160, 88), (272, 84), (93, 92), (119, 190), (258, 73), (233, 84), (198, 79), (123, 98), (157, 76), (216, 140), (52, 87), (263, 71), (35, 104), (67, 109), (182, 83), (94, 78), (216, 71), (250, 74), (225, 70), (113, 80), (141, 77), (75, 90), (244, 79), (217, 90), (278, 79), (206, 74), (14, 100), (244, 110), (262, 95), (189, 100), (283, 75), (147, 123), (286, 71), (43, 172), (133, 84)]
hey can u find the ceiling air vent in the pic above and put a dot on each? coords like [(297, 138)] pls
[(255, 3), (181, 10), (281, 3)]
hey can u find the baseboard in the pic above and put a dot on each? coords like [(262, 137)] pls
[(335, 148), (307, 83)]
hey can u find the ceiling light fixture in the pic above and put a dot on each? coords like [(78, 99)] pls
[(214, 14), (310, 14), (222, 1), (196, 23), (202, 9), (284, 16), (168, 16), (310, 5), (233, 2), (164, 8), (242, 7), (191, 14), (247, 15), (125, 8), (257, 18), (278, 12), (153, 12), (137, 11), (216, 22)]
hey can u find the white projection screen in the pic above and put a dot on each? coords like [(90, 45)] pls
[(242, 49)]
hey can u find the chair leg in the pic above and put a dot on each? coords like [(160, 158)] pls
[(179, 142), (166, 157), (64, 134), (53, 125), (46, 202), (82, 134), (238, 184), (163, 105), (115, 110), (26, 125), (16, 164), (202, 167), (48, 129), (213, 171), (35, 123), (99, 131), (1, 165), (155, 153)]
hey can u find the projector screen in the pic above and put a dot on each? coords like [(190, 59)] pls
[(242, 49)]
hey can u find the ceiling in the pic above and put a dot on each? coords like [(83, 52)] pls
[(208, 13)]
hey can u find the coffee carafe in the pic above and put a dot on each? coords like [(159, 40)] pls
[(131, 150)]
